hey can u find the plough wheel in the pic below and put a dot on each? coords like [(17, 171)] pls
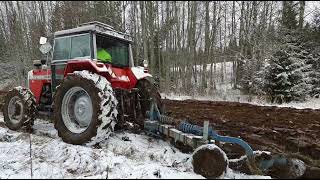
[(209, 161)]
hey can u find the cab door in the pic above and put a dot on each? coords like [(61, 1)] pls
[(66, 48)]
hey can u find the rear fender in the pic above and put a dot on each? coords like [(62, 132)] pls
[(92, 66), (139, 73), (125, 78), (118, 77), (152, 81)]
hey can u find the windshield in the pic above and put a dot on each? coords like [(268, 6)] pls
[(112, 50), (72, 47)]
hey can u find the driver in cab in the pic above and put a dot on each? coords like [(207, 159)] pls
[(103, 55)]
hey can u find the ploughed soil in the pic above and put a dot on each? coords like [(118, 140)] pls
[(268, 128)]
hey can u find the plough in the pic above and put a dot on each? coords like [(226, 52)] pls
[(198, 138)]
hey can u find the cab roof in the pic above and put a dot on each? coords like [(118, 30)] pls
[(95, 26)]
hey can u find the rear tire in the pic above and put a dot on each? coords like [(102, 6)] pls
[(148, 91), (101, 108), (19, 109)]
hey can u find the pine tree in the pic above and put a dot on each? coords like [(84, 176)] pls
[(287, 77), (311, 43), (314, 60)]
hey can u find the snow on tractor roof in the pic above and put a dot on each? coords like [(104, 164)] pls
[(97, 27)]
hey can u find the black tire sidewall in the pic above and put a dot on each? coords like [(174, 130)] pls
[(7, 121), (93, 92)]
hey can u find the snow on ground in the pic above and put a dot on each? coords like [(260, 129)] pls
[(142, 157), (313, 103)]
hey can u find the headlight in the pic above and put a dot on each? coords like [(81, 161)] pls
[(145, 63)]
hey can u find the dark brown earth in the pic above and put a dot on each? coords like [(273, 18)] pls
[(278, 130)]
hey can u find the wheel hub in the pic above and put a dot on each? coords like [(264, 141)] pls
[(77, 110), (15, 110), (83, 110)]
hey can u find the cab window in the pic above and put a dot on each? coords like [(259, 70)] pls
[(113, 50), (80, 46), (72, 47), (61, 48)]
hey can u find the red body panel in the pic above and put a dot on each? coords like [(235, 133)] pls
[(124, 78), (36, 81)]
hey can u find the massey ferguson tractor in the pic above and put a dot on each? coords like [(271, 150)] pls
[(85, 97)]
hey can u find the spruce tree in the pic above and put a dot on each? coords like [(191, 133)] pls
[(314, 60), (287, 77)]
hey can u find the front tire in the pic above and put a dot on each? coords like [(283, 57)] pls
[(84, 108), (19, 109)]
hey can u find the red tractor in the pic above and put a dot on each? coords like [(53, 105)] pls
[(87, 99)]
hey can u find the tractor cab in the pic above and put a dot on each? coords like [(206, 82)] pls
[(85, 42)]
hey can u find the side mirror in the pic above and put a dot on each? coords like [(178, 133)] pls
[(45, 48), (43, 40)]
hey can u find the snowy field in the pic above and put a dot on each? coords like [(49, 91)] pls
[(142, 157)]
